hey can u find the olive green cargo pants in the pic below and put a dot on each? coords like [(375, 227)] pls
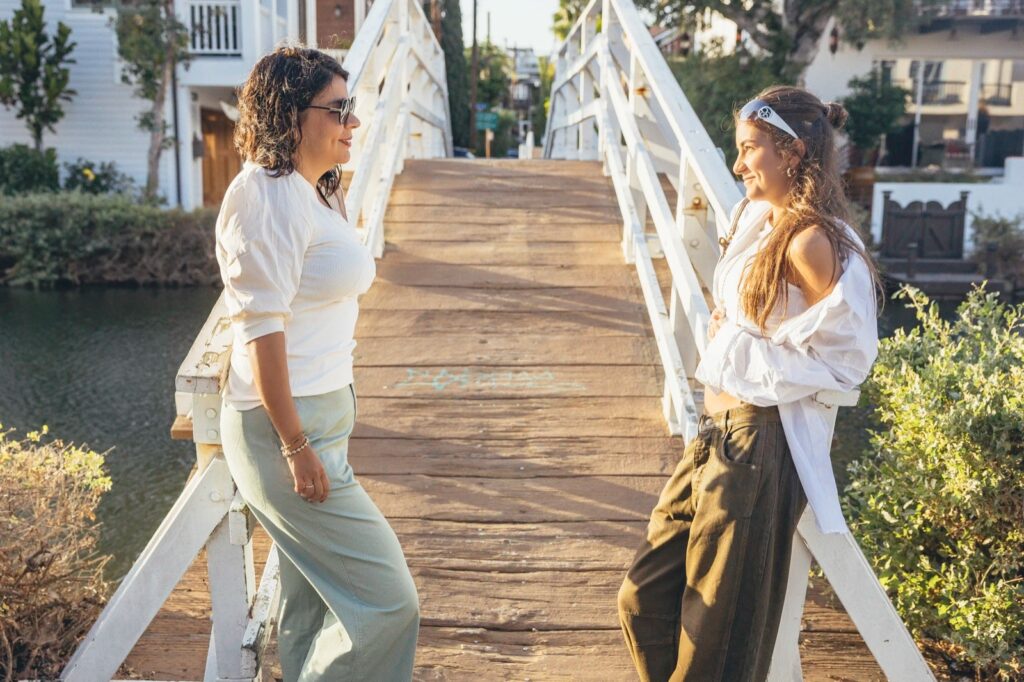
[(703, 598)]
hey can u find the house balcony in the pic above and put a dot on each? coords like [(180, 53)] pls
[(983, 9), (226, 37)]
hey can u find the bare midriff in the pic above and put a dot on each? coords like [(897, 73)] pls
[(719, 402)]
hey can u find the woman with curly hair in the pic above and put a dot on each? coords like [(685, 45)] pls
[(293, 267), (796, 313)]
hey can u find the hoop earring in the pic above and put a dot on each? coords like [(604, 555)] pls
[(791, 172)]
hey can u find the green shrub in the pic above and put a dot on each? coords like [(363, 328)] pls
[(97, 178), (103, 239), (23, 169), (938, 501), (51, 575), (1008, 236)]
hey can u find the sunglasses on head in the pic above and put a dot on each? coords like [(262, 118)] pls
[(759, 109), (348, 104)]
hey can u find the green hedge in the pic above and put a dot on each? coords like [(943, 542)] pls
[(938, 502), (23, 169), (75, 238)]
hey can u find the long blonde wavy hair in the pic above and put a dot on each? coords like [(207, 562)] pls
[(817, 197)]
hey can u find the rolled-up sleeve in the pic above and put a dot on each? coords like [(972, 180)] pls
[(260, 250), (830, 346)]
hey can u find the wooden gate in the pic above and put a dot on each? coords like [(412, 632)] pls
[(927, 228)]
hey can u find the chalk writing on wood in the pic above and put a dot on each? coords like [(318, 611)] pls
[(446, 379)]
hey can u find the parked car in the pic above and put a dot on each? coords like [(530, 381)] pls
[(462, 153)]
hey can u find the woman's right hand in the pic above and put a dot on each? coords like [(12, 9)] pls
[(309, 475)]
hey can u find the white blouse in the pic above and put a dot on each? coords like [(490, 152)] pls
[(289, 264), (830, 345)]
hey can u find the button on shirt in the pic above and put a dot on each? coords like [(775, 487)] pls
[(830, 345), (289, 264)]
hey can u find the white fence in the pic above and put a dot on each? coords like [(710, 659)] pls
[(396, 69), (615, 100)]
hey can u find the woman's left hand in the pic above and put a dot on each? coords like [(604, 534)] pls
[(717, 318)]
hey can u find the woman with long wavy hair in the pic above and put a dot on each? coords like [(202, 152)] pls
[(293, 267), (796, 313)]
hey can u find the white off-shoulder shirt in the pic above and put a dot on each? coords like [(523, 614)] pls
[(289, 264), (830, 345)]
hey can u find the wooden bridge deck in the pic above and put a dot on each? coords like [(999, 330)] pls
[(510, 428)]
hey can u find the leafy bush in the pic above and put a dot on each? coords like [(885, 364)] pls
[(1008, 236), (23, 169), (937, 502), (51, 576), (875, 107), (103, 239), (101, 178)]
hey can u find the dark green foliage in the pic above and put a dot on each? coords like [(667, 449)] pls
[(791, 30), (495, 66), (97, 178), (23, 169), (936, 502), (875, 107), (77, 238), (566, 15), (1007, 234), (33, 74), (539, 119), (457, 70), (716, 84)]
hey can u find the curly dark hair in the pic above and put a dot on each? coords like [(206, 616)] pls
[(282, 84)]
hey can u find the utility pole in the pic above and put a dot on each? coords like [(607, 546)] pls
[(435, 17), (474, 73)]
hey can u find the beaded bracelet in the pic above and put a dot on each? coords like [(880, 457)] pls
[(290, 451)]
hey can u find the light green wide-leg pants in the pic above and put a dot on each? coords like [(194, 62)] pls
[(348, 608)]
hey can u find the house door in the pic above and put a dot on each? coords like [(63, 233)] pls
[(221, 162)]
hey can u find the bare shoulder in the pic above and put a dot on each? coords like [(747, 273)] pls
[(814, 262)]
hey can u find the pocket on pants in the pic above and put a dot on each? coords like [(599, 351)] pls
[(740, 445), (732, 479)]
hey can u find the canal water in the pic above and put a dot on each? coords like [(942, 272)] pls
[(97, 366)]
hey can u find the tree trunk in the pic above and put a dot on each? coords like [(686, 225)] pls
[(157, 135)]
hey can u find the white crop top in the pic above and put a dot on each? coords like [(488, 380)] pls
[(289, 264)]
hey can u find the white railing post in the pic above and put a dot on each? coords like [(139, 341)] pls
[(588, 134)]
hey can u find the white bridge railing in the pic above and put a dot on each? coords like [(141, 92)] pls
[(396, 69), (615, 100)]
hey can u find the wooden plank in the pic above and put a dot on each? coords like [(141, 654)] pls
[(528, 349), (507, 382), (553, 216), (531, 458), (504, 253), (508, 419), (532, 500), (513, 231), (520, 548), (482, 324), (486, 195), (471, 654), (387, 296), (503, 276)]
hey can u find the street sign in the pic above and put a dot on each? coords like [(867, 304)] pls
[(487, 120)]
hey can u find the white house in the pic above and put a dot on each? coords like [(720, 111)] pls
[(964, 68), (226, 38)]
